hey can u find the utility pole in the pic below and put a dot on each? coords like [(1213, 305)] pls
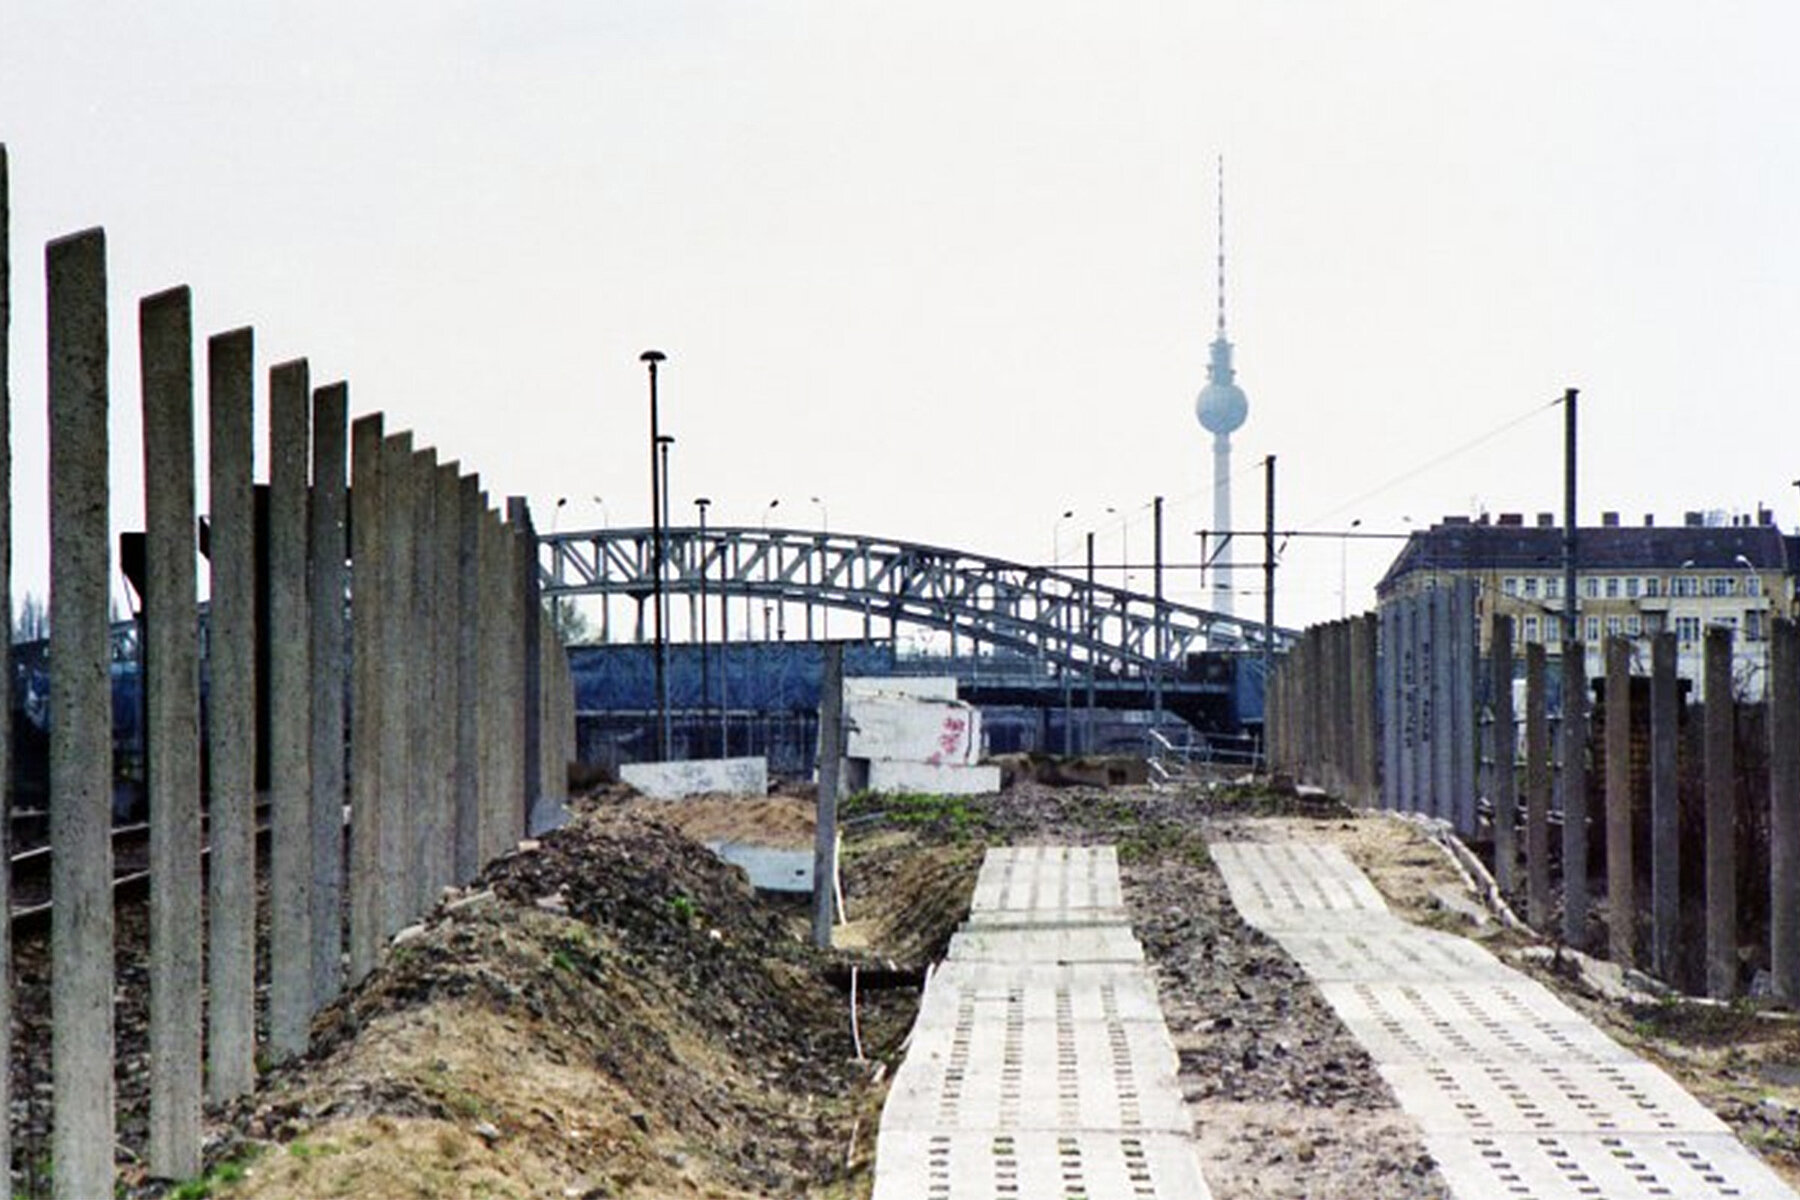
[(705, 647), (653, 357), (1087, 737), (1162, 629), (1268, 646), (1570, 605)]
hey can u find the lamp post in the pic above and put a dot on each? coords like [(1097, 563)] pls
[(824, 528), (652, 358), (701, 503), (1055, 532), (1344, 571), (769, 508)]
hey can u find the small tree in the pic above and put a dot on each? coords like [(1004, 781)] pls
[(32, 623)]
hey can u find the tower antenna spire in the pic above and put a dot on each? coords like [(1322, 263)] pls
[(1221, 245)]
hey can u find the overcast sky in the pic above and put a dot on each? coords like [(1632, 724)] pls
[(948, 267)]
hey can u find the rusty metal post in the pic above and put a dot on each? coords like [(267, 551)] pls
[(1784, 809), (1665, 807)]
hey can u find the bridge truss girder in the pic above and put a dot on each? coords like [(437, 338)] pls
[(1057, 617)]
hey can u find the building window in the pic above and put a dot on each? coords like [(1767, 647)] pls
[(1752, 585), (1531, 587), (1634, 626), (1631, 587), (1531, 629), (1614, 626), (1612, 588), (1753, 625), (1721, 585), (1684, 585), (1590, 588), (1654, 623), (1687, 630), (1553, 588), (1653, 587), (1553, 629), (1510, 586), (1593, 629)]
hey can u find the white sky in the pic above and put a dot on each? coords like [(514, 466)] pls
[(948, 266)]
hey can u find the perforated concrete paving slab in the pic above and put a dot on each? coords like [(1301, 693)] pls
[(1296, 884), (1049, 944), (1057, 878), (1037, 1165), (1039, 1064), (1609, 1166), (1392, 954), (1518, 1094), (1490, 1098), (1089, 992)]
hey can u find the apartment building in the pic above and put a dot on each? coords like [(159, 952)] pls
[(1630, 580)]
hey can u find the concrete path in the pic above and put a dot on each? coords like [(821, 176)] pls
[(1040, 1066), (1518, 1095)]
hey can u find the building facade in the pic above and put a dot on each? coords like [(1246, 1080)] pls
[(1631, 580)]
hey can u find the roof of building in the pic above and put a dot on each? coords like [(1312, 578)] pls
[(1463, 545)]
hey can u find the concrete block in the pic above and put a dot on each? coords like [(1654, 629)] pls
[(915, 687), (936, 779), (698, 777), (910, 730), (770, 868)]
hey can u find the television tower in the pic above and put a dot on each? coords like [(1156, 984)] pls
[(1221, 408)]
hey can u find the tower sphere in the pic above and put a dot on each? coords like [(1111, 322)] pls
[(1221, 407)]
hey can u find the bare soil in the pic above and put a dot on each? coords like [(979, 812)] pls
[(614, 1013)]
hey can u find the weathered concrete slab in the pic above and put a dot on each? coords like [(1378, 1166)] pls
[(1380, 953), (1616, 1166), (1464, 1023), (1293, 884), (1086, 992), (1007, 1166), (1539, 1097), (913, 730), (943, 780), (1047, 878), (698, 777), (1097, 944), (918, 687), (770, 868)]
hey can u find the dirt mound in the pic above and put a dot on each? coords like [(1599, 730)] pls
[(785, 821), (611, 1014)]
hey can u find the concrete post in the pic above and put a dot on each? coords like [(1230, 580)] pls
[(1443, 709), (497, 786), (399, 486), (367, 564), (517, 552), (537, 818), (172, 730), (81, 993), (1347, 703), (1467, 688), (1406, 704), (1537, 788), (290, 716), (231, 720), (1574, 795), (1421, 703), (831, 755), (1388, 657), (1506, 779), (427, 827), (1784, 809), (1720, 807), (6, 750), (327, 535), (447, 618), (1665, 807), (1366, 637), (1621, 876), (467, 779)]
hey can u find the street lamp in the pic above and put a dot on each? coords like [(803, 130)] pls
[(701, 503), (773, 505), (824, 515), (1344, 571), (652, 358), (1055, 532), (556, 513), (663, 442)]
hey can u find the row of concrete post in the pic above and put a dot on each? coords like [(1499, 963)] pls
[(404, 595), (1420, 696), (1321, 725)]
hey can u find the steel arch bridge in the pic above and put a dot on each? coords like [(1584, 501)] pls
[(1054, 616)]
